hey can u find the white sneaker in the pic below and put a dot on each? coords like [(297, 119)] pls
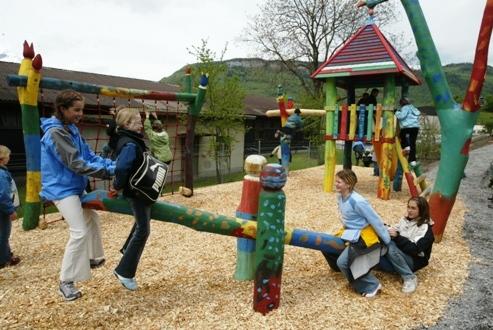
[(410, 285), (373, 293)]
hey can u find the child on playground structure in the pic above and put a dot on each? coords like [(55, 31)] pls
[(408, 116), (129, 151), (364, 99), (412, 241), (9, 201), (293, 124), (358, 217), (359, 150), (158, 139), (109, 148), (66, 161), (372, 99)]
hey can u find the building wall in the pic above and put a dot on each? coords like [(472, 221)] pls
[(206, 161)]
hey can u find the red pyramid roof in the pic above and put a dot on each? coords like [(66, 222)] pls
[(365, 60)]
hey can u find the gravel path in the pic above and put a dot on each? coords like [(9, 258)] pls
[(474, 308)]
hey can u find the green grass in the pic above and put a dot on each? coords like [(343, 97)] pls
[(486, 118)]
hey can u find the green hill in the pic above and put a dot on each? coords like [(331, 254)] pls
[(261, 77), (258, 77)]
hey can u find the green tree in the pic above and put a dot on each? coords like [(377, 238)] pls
[(223, 111), (487, 104)]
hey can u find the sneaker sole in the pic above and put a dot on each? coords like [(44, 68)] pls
[(116, 275), (373, 294)]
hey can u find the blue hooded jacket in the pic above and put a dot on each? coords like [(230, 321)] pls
[(408, 116), (294, 121), (6, 201), (67, 160)]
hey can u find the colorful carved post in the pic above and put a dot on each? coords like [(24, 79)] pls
[(343, 125), (456, 121), (420, 177), (361, 122), (282, 105), (388, 139), (270, 237), (404, 167), (193, 114), (369, 124), (245, 248), (352, 122), (330, 143), (28, 99), (378, 122), (335, 114)]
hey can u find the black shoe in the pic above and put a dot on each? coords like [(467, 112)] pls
[(95, 263), (14, 260)]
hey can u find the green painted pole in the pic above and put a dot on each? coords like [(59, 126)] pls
[(270, 237)]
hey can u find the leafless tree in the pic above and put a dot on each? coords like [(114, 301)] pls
[(302, 34)]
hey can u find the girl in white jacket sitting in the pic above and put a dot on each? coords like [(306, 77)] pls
[(412, 241)]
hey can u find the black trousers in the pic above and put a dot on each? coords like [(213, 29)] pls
[(136, 241), (408, 137)]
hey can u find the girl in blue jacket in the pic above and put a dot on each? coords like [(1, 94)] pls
[(357, 215), (408, 116), (7, 209), (66, 162)]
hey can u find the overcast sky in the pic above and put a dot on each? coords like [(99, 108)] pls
[(148, 39)]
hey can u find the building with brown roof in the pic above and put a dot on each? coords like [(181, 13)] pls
[(97, 113)]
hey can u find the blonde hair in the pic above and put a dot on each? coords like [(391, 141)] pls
[(4, 152), (124, 116), (349, 177)]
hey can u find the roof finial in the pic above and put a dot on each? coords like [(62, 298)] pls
[(369, 19)]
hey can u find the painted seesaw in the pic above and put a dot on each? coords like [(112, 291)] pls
[(260, 218)]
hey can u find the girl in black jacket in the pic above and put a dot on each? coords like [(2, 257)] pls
[(129, 153)]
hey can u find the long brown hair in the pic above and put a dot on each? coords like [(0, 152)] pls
[(424, 210)]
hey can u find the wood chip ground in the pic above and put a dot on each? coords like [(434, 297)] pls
[(186, 277)]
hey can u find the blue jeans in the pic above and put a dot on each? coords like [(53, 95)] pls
[(396, 261), (364, 284), (5, 228), (136, 240)]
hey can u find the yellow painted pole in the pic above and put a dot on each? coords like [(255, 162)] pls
[(378, 122), (388, 139), (352, 121), (330, 145)]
